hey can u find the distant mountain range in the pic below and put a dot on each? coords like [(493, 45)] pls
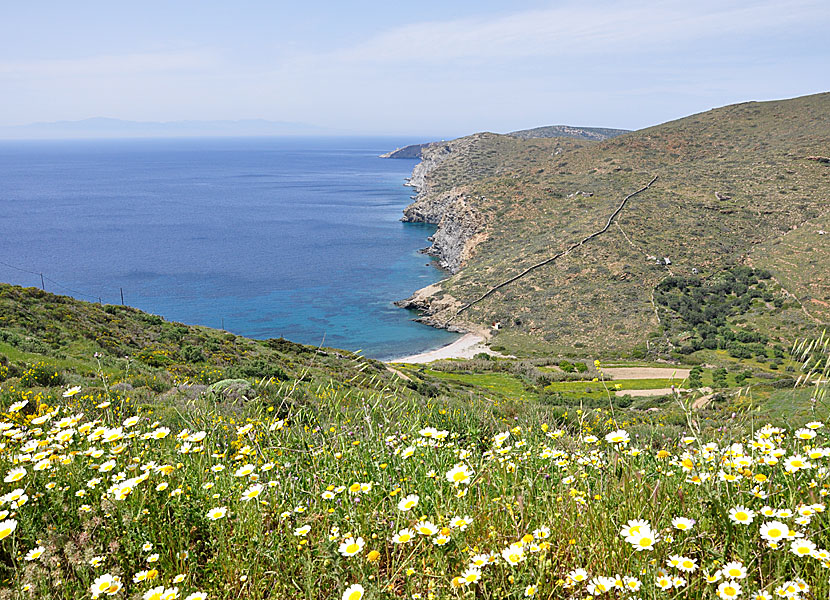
[(102, 127)]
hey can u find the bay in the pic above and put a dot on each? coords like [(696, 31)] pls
[(268, 237)]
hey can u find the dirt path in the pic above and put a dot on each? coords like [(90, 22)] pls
[(647, 393), (647, 373)]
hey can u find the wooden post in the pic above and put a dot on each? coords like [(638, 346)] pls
[(42, 286), (223, 323), (122, 296)]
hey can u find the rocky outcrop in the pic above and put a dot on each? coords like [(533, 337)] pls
[(432, 302), (432, 156), (459, 226)]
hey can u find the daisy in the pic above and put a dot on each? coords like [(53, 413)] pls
[(351, 546), (480, 560), (633, 527), (7, 528), (302, 531), (774, 531), (461, 522), (802, 547), (244, 471), (105, 584), (252, 492), (408, 502), (72, 391), (16, 406), (403, 536), (214, 514), (741, 515), (644, 540), (426, 528), (733, 570), (729, 589), (471, 575), (600, 585), (353, 592), (513, 554), (460, 473), (620, 437), (35, 553), (682, 523), (15, 475), (632, 584)]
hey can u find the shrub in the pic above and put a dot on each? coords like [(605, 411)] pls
[(42, 374), (192, 354)]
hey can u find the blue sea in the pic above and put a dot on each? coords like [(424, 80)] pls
[(291, 237)]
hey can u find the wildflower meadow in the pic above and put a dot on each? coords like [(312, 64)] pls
[(377, 495)]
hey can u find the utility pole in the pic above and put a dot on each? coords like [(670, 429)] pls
[(42, 286), (122, 296)]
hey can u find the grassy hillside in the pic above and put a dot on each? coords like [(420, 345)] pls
[(736, 185), (317, 474)]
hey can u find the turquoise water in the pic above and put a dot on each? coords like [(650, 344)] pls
[(297, 238)]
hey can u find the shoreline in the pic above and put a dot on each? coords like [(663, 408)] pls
[(467, 346)]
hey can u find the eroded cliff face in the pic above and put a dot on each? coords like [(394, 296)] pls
[(431, 156), (460, 226)]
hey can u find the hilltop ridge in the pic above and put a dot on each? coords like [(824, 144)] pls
[(547, 131), (738, 185)]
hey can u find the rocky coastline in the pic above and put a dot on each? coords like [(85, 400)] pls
[(459, 225), (459, 229)]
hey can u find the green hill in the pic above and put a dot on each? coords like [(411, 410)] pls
[(742, 185)]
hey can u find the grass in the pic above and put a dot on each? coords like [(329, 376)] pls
[(304, 503), (292, 489), (500, 384)]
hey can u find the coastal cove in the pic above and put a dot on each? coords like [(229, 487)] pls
[(283, 237)]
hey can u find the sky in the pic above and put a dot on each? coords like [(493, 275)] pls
[(429, 68)]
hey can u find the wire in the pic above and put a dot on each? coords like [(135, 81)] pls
[(50, 280)]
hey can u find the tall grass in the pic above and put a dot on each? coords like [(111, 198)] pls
[(310, 481)]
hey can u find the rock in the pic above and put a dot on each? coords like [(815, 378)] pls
[(122, 387), (412, 151), (233, 390)]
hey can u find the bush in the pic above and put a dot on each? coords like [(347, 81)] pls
[(259, 368), (192, 354), (42, 374)]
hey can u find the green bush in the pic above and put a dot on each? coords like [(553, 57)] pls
[(192, 354), (42, 374)]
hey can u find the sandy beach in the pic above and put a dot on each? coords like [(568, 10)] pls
[(467, 346)]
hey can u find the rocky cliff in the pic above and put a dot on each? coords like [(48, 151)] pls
[(459, 225)]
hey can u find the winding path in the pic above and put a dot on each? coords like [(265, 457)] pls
[(553, 258)]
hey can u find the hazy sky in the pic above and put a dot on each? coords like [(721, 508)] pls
[(444, 67)]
